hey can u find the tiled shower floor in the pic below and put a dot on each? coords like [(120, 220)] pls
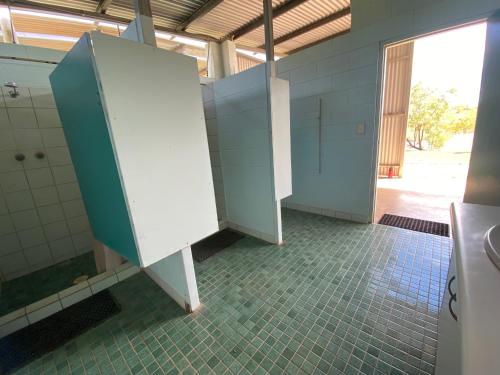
[(337, 298), (30, 288)]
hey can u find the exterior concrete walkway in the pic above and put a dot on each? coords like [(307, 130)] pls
[(432, 180), (413, 204)]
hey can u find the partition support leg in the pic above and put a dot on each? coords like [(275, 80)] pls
[(175, 275), (105, 258)]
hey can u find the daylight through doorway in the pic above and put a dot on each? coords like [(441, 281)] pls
[(431, 92)]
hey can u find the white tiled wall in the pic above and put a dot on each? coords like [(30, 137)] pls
[(213, 146), (42, 216)]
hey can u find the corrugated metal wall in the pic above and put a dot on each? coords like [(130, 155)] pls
[(245, 63), (396, 102)]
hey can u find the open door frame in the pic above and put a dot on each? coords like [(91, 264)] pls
[(395, 106)]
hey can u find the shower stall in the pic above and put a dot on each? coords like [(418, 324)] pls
[(45, 238)]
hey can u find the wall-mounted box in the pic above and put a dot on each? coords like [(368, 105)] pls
[(133, 118)]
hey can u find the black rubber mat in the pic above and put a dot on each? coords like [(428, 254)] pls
[(21, 347), (212, 245), (431, 227)]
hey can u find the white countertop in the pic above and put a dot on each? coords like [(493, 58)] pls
[(478, 289)]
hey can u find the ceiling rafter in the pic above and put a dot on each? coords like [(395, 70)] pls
[(259, 21), (200, 12), (103, 5), (313, 25)]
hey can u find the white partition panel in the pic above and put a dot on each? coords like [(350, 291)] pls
[(175, 275), (249, 134), (133, 115), (160, 141), (279, 96)]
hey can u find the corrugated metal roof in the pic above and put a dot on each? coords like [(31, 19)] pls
[(228, 16), (166, 13), (232, 14), (46, 31), (314, 35), (225, 18), (87, 5), (40, 25), (296, 18), (44, 43)]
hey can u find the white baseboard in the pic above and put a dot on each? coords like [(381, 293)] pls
[(328, 212), (252, 232)]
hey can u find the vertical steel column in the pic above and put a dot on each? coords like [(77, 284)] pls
[(144, 22), (143, 7), (268, 29)]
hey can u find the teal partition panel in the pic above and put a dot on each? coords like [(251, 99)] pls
[(80, 107)]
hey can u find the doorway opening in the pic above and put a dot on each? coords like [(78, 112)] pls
[(429, 107)]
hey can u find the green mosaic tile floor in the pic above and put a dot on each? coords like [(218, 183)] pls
[(337, 298), (30, 288)]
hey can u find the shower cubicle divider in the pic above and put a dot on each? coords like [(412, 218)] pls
[(248, 120), (133, 118)]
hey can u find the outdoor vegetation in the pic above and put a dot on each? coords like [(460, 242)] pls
[(433, 120)]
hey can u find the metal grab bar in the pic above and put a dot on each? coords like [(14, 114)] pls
[(320, 135)]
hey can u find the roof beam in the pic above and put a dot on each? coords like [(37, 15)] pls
[(259, 21), (200, 12), (103, 5), (316, 42), (26, 4), (313, 25)]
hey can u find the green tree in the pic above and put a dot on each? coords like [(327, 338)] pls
[(461, 119), (427, 110), (432, 120)]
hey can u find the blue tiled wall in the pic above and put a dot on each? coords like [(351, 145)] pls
[(345, 73)]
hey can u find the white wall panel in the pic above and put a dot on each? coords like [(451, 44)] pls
[(279, 97)]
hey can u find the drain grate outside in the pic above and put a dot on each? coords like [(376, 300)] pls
[(24, 346), (424, 226), (212, 245)]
